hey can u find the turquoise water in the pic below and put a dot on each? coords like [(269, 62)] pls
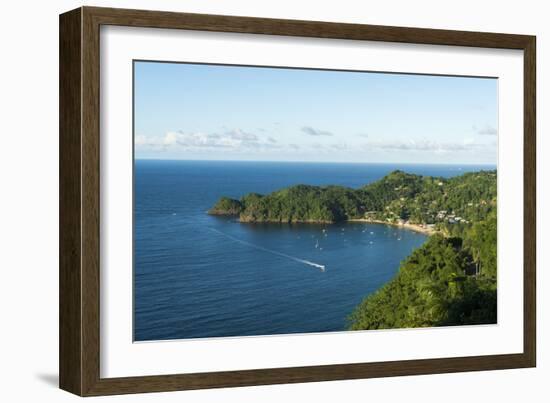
[(197, 275)]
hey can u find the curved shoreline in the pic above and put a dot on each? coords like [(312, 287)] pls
[(420, 228), (413, 227)]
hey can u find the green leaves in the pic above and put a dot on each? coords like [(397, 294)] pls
[(450, 280), (302, 203), (450, 203), (433, 288), (226, 206), (481, 240)]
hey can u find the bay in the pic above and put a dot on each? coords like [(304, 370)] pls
[(197, 275)]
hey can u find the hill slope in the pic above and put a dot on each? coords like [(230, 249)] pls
[(450, 280), (397, 196)]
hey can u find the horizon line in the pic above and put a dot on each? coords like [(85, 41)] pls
[(317, 162)]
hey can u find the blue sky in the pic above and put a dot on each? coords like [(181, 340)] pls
[(190, 111)]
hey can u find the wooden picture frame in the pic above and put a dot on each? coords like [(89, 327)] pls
[(80, 186)]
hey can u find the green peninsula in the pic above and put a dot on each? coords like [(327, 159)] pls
[(450, 280), (397, 198)]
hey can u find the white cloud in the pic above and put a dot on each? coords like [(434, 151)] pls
[(315, 132), (339, 146), (424, 146), (488, 131), (235, 139)]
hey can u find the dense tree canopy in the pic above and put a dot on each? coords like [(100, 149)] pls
[(450, 280), (433, 288), (399, 195), (226, 206)]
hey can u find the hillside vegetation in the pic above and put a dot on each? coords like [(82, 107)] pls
[(450, 280), (397, 196), (447, 281)]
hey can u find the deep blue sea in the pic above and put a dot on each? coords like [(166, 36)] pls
[(197, 275)]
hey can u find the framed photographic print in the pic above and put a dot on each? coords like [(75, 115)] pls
[(249, 201)]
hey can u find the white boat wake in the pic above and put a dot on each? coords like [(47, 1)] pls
[(273, 252)]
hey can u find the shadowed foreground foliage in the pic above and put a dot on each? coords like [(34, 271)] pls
[(447, 281)]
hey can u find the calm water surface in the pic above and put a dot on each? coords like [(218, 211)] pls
[(201, 276)]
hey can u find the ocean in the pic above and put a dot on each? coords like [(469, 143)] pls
[(197, 275)]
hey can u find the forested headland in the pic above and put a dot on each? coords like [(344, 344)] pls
[(450, 280)]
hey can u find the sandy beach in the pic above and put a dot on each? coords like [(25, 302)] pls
[(412, 227)]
